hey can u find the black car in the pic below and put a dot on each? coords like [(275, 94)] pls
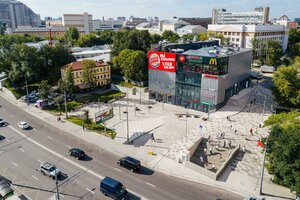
[(130, 163), (77, 153), (2, 123), (2, 137)]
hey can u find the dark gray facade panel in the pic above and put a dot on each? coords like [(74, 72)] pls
[(239, 67), (162, 81)]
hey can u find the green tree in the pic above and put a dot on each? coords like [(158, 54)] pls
[(71, 35), (294, 42), (283, 149), (274, 53), (44, 89), (86, 117), (132, 64), (187, 37), (67, 82), (287, 85), (202, 36), (106, 36), (2, 28), (155, 38), (170, 36), (88, 73)]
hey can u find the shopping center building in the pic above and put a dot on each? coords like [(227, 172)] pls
[(200, 79)]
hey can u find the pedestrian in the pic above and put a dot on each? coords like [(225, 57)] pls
[(251, 131), (223, 135), (235, 131), (205, 151), (251, 103), (210, 151), (244, 149), (208, 139), (224, 145), (201, 159), (229, 144), (220, 156), (213, 166), (152, 137)]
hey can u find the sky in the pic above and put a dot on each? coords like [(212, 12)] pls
[(164, 9)]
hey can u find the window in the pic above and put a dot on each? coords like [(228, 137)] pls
[(80, 80), (232, 39), (237, 39)]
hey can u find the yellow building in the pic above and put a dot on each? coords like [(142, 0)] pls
[(102, 71)]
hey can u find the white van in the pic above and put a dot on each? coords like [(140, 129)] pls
[(256, 74), (266, 68)]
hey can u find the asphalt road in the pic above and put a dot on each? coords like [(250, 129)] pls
[(23, 150)]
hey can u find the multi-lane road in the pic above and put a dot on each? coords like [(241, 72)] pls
[(22, 151)]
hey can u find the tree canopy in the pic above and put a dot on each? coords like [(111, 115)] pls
[(71, 35), (287, 84), (294, 42), (170, 36), (274, 53), (283, 149), (88, 73)]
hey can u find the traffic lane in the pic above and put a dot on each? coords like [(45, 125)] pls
[(76, 185)]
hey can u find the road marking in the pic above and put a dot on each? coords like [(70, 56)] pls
[(70, 161), (90, 190), (118, 169), (40, 161), (150, 184), (68, 147), (35, 178), (11, 115), (15, 164), (34, 129), (22, 150), (7, 140), (49, 137)]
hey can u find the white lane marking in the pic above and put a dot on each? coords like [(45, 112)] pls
[(7, 140), (150, 184), (70, 161), (34, 129), (22, 150), (40, 161), (117, 169), (68, 147), (35, 178), (15, 164), (90, 190), (11, 115), (49, 137)]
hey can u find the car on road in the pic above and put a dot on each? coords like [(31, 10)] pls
[(76, 153), (2, 123), (252, 198), (2, 137), (50, 170), (130, 163), (5, 189), (113, 188), (23, 125)]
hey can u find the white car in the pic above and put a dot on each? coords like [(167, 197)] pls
[(23, 125)]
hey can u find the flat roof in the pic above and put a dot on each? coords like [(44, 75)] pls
[(215, 51)]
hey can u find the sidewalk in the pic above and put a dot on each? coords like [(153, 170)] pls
[(235, 181)]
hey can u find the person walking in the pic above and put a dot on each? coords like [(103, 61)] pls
[(210, 151), (224, 145), (251, 131), (244, 149), (213, 166), (152, 137), (229, 144)]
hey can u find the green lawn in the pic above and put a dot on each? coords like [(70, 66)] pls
[(98, 128), (20, 91), (101, 97)]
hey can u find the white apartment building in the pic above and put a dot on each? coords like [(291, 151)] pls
[(260, 15), (101, 25), (242, 35), (95, 53), (81, 21)]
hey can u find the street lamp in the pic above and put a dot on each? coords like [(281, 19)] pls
[(26, 85), (65, 94), (263, 168), (127, 125)]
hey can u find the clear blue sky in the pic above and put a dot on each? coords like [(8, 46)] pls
[(164, 9)]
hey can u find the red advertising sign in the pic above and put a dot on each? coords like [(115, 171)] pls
[(162, 61), (210, 76)]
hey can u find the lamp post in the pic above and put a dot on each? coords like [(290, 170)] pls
[(127, 126), (265, 96), (263, 168), (26, 85), (56, 185)]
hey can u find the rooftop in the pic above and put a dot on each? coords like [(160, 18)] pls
[(215, 51), (78, 65)]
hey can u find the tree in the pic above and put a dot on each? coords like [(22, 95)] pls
[(155, 38), (89, 74), (67, 82), (71, 35), (2, 28), (44, 89), (132, 64), (294, 42), (283, 149), (106, 36), (187, 37), (170, 36), (287, 85), (86, 117), (274, 53), (202, 36)]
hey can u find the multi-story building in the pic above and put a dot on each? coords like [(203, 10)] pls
[(101, 25), (260, 15), (102, 74), (43, 32), (197, 21), (134, 21), (15, 14), (81, 21), (95, 53), (57, 22), (243, 35), (200, 79)]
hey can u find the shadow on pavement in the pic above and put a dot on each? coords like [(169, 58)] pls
[(145, 171), (62, 177), (271, 195), (134, 197), (86, 158)]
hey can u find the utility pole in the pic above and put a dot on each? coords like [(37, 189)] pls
[(56, 184), (65, 94), (27, 98), (263, 168)]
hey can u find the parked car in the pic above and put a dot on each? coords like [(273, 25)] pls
[(76, 153), (113, 188), (130, 163), (5, 189), (256, 74), (2, 137), (23, 125), (252, 198), (266, 68), (49, 169)]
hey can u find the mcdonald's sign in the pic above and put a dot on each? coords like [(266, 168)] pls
[(213, 61)]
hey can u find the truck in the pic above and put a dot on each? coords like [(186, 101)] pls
[(113, 188), (266, 68)]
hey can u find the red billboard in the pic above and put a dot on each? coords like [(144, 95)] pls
[(162, 61)]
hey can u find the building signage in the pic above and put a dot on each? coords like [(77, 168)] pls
[(213, 61), (182, 58), (195, 59), (162, 61), (104, 115), (210, 76)]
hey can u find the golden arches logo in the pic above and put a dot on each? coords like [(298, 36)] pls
[(213, 61)]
